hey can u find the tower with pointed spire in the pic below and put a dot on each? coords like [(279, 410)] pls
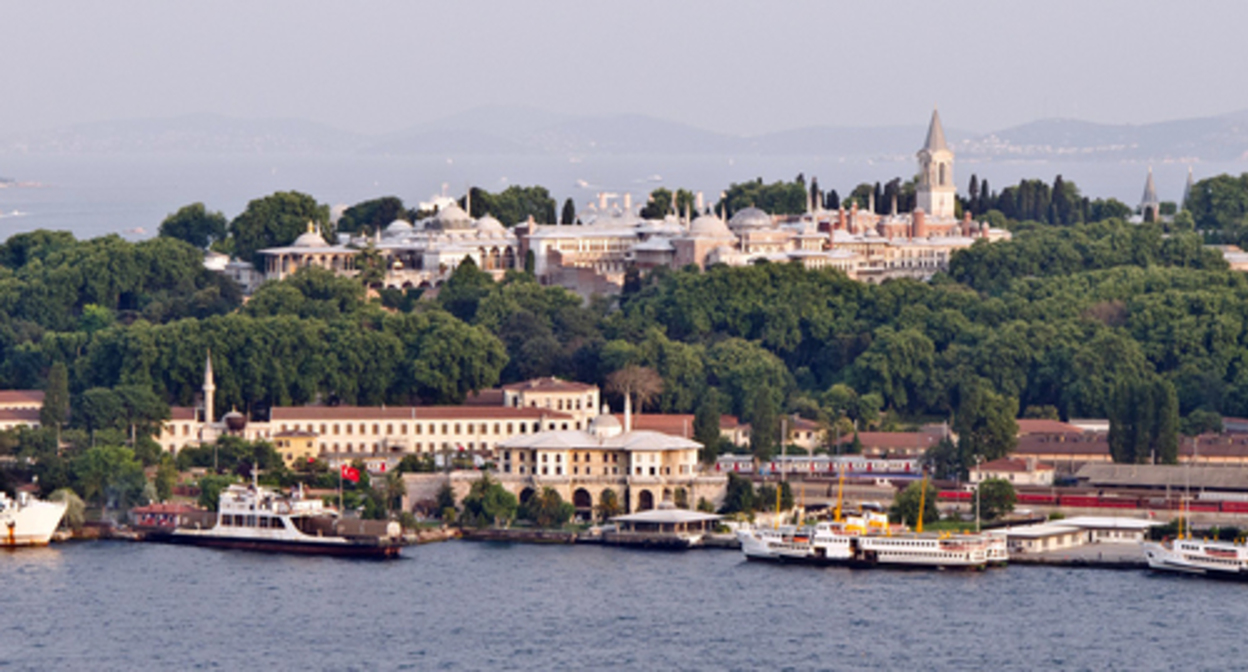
[(1150, 207), (936, 193), (1187, 189), (210, 390)]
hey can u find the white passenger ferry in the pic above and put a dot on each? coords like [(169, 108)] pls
[(1213, 559), (864, 541), (260, 519), (27, 521)]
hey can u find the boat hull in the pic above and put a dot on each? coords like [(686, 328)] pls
[(33, 524), (1164, 560), (299, 547)]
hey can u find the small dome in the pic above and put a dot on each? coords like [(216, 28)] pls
[(490, 224), (452, 217), (605, 425), (310, 239), (708, 226), (234, 421), (750, 218), (398, 226)]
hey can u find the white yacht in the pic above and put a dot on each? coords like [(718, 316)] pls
[(27, 521), (261, 519), (1213, 559)]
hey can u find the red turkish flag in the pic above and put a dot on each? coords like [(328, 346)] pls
[(351, 473)]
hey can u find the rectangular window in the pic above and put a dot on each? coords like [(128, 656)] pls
[(470, 427), (389, 429), (444, 432), (496, 428), (376, 429), (349, 429), (457, 430)]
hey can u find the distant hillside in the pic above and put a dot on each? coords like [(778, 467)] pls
[(195, 134), (1220, 138), (511, 131)]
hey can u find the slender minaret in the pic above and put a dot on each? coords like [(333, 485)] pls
[(210, 389)]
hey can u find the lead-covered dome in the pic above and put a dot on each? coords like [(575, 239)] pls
[(750, 218), (452, 217), (708, 226)]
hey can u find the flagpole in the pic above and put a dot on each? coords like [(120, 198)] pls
[(340, 489)]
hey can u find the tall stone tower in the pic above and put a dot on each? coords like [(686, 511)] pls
[(210, 390), (936, 194)]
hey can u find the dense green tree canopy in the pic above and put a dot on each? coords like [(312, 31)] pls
[(195, 225), (275, 220)]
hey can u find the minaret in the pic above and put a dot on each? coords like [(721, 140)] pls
[(936, 193), (1149, 200), (210, 389)]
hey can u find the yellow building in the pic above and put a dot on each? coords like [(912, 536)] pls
[(295, 447)]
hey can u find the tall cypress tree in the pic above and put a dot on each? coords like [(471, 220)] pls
[(972, 198), (569, 212)]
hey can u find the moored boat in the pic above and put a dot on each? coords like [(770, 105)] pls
[(257, 518), (28, 521), (1212, 559)]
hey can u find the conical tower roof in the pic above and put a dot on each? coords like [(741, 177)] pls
[(1150, 190), (936, 134)]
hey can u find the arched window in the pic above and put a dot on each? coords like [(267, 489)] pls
[(942, 175)]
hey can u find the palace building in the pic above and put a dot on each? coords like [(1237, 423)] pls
[(610, 238)]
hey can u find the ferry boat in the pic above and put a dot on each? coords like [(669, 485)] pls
[(257, 518), (27, 521), (860, 542), (1212, 559)]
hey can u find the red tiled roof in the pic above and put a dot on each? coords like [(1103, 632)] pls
[(1013, 464), (490, 397), (173, 507), (550, 384), (21, 397), (181, 413), (27, 415), (1072, 446), (1033, 426), (331, 413), (911, 440), (675, 424)]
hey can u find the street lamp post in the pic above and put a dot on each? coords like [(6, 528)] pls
[(979, 480)]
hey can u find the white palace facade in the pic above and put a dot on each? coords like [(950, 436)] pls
[(610, 238)]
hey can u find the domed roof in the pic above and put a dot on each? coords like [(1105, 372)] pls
[(750, 218), (452, 217), (235, 421), (310, 238), (708, 226), (398, 226), (605, 425), (490, 224)]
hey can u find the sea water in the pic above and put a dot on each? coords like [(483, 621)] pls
[(486, 606)]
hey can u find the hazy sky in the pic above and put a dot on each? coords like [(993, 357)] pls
[(739, 67)]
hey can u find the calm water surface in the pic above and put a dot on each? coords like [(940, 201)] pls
[(472, 606)]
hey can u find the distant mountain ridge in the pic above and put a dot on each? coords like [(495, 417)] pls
[(519, 131)]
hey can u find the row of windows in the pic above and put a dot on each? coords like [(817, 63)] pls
[(420, 447), (447, 428), (262, 522)]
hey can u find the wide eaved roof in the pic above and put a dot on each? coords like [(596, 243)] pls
[(21, 397), (667, 516), (1040, 426), (1175, 477), (550, 384), (332, 413), (1013, 464)]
